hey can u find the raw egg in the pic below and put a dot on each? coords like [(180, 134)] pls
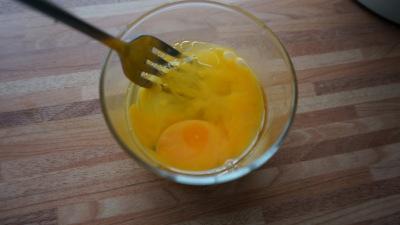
[(205, 111)]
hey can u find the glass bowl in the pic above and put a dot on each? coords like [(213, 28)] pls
[(224, 25)]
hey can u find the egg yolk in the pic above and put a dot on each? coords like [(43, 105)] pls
[(203, 112), (191, 144)]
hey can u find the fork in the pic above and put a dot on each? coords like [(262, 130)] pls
[(137, 56)]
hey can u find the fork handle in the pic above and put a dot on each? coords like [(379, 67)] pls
[(67, 18)]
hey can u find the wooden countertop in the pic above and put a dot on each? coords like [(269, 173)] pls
[(339, 165)]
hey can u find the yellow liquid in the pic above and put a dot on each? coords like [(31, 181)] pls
[(207, 111)]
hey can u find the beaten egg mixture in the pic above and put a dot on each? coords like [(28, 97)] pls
[(202, 113)]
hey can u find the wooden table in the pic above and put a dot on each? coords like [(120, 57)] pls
[(339, 165)]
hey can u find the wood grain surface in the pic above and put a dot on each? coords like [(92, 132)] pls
[(340, 164)]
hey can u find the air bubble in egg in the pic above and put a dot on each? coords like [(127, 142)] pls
[(229, 55), (241, 62)]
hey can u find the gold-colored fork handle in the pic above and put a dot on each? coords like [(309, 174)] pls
[(60, 14)]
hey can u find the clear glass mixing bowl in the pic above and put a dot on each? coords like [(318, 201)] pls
[(223, 25)]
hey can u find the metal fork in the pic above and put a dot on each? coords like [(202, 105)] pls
[(135, 55)]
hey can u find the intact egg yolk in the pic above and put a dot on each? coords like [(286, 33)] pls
[(191, 144)]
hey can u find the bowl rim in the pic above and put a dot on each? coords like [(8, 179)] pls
[(209, 179)]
